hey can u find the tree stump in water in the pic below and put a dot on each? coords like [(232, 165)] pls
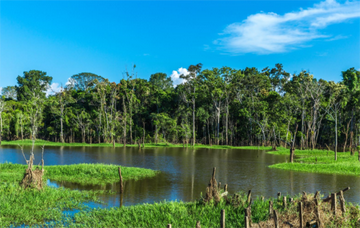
[(33, 178)]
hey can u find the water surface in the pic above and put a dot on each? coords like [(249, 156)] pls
[(185, 172)]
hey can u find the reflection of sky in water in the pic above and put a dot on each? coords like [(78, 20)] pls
[(186, 172)]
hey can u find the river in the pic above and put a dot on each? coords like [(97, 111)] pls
[(185, 172)]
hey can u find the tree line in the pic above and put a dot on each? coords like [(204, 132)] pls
[(221, 106)]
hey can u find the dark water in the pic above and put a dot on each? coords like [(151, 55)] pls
[(185, 173)]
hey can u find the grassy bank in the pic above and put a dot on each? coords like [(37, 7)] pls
[(19, 206), (78, 173), (181, 214), (320, 161), (28, 142)]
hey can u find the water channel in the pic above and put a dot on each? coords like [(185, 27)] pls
[(185, 172)]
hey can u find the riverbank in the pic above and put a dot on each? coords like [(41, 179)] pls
[(180, 214), (28, 142), (78, 173), (320, 161)]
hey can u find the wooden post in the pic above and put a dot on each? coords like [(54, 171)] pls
[(316, 196), (225, 187), (222, 219), (301, 215), (121, 182), (342, 202), (279, 195), (219, 186), (284, 201), (168, 226), (276, 221), (198, 224), (291, 200), (270, 208), (333, 202), (248, 213), (262, 198), (249, 197), (319, 223), (247, 225)]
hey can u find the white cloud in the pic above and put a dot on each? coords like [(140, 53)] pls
[(265, 33), (175, 76), (53, 88)]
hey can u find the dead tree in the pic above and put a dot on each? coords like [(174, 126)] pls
[(33, 178)]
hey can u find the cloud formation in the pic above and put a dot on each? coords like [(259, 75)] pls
[(53, 88), (265, 33), (175, 76)]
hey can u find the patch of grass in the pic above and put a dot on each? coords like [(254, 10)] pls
[(19, 206), (320, 161), (78, 173), (179, 214), (39, 142)]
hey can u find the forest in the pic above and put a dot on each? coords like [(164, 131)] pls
[(218, 106)]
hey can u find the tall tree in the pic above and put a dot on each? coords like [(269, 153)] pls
[(192, 83), (34, 83)]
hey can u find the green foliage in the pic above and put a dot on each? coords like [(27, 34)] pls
[(33, 83), (78, 173)]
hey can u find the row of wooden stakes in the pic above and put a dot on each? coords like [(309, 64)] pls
[(274, 214)]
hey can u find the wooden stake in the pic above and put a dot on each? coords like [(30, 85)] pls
[(319, 223), (316, 196), (284, 201), (168, 226), (333, 202), (198, 224), (342, 202), (329, 197), (249, 197), (248, 213), (121, 182), (262, 198), (301, 215), (225, 187), (222, 219), (247, 225), (276, 221), (279, 195), (270, 208)]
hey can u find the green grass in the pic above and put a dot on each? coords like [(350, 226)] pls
[(39, 142), (78, 173), (320, 161), (19, 206), (179, 214)]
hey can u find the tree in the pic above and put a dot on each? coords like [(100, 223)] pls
[(58, 104), (85, 81), (34, 83), (9, 92), (333, 108), (191, 84), (2, 106)]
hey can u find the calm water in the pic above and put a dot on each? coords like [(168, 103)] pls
[(186, 172)]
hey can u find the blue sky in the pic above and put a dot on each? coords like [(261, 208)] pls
[(64, 38)]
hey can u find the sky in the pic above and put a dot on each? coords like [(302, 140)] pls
[(107, 38)]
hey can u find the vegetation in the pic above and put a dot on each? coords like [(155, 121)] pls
[(19, 206), (213, 106), (320, 161), (39, 142), (181, 214), (78, 173)]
